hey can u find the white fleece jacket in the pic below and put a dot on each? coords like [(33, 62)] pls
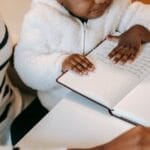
[(49, 34)]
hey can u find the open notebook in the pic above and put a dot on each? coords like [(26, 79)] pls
[(120, 88)]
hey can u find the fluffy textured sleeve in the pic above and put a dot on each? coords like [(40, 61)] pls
[(35, 62), (137, 13)]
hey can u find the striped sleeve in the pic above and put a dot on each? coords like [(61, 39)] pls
[(5, 55), (27, 148)]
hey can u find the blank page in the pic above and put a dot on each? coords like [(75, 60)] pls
[(136, 105), (106, 85)]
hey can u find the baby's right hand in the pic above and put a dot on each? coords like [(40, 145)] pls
[(78, 63)]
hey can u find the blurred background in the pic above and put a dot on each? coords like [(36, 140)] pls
[(13, 11)]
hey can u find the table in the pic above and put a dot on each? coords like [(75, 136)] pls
[(75, 122)]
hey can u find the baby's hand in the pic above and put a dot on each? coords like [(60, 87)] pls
[(128, 47), (78, 63)]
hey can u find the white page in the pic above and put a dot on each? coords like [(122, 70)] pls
[(136, 105), (110, 82), (140, 67), (106, 86), (74, 122)]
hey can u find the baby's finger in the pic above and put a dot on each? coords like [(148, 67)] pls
[(132, 56), (117, 58), (128, 51), (75, 69), (79, 69), (81, 64), (113, 37), (125, 58), (115, 51), (119, 55), (87, 63), (73, 62)]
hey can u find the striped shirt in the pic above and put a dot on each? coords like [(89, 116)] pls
[(8, 94)]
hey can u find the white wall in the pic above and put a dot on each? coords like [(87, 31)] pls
[(13, 12)]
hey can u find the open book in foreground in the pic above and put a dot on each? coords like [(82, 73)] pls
[(123, 89)]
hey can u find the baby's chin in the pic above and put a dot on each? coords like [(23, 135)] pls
[(93, 16)]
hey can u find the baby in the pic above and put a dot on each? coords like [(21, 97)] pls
[(129, 42), (56, 35)]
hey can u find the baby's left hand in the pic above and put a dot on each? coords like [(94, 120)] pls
[(128, 47)]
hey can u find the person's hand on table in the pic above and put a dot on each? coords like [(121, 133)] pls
[(137, 138)]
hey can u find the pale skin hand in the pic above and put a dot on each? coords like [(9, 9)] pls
[(137, 138), (129, 44), (78, 63)]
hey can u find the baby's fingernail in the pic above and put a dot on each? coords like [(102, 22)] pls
[(130, 61), (80, 73), (90, 69), (85, 72), (120, 63), (114, 61)]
